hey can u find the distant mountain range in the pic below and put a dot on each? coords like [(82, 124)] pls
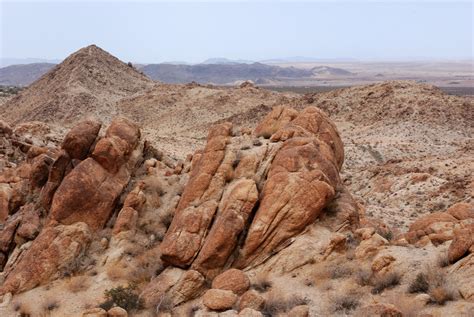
[(220, 71)]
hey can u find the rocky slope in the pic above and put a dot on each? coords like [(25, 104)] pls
[(88, 82), (329, 204)]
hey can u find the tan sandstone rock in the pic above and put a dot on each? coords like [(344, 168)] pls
[(51, 252), (233, 280), (251, 299), (218, 299)]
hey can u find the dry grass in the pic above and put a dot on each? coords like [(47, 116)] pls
[(442, 259), (147, 265), (386, 281), (419, 284), (276, 302), (434, 282), (345, 303), (77, 284), (261, 282), (50, 304), (364, 276), (117, 271)]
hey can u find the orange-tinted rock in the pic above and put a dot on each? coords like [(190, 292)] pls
[(463, 240), (30, 222), (461, 211), (56, 175), (312, 122), (126, 220), (424, 222), (40, 170), (80, 138), (5, 128), (51, 253), (251, 299), (235, 207), (275, 120), (217, 299), (379, 309), (111, 153), (182, 243), (299, 185), (198, 202), (126, 130), (233, 280), (191, 285), (88, 194), (5, 195)]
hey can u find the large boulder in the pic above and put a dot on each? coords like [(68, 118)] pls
[(89, 192), (52, 252), (218, 299), (461, 244), (233, 280), (78, 141), (245, 198)]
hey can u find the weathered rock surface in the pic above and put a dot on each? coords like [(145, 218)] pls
[(77, 143), (51, 253), (233, 280), (217, 299), (270, 189), (89, 192)]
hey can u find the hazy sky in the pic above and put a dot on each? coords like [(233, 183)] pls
[(152, 31)]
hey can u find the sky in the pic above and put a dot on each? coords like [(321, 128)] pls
[(158, 31)]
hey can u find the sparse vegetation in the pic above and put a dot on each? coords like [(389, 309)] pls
[(364, 276), (124, 297), (77, 283), (346, 303), (277, 303), (419, 284), (261, 283), (442, 259), (386, 281), (340, 271), (433, 281)]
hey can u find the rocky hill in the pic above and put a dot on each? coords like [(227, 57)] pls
[(23, 75), (88, 82), (204, 201)]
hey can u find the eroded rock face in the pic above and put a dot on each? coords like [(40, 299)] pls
[(52, 251), (249, 194), (79, 140), (90, 191)]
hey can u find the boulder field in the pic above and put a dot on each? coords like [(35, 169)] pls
[(212, 228)]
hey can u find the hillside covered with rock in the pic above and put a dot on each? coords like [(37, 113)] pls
[(191, 200)]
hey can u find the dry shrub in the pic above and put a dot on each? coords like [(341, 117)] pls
[(147, 265), (419, 284), (277, 302), (261, 282), (386, 281), (364, 276), (125, 297), (441, 294), (340, 271), (346, 303), (117, 271), (433, 281), (50, 304), (442, 259), (77, 283)]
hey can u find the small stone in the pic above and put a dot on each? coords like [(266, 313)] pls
[(117, 312), (218, 299)]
